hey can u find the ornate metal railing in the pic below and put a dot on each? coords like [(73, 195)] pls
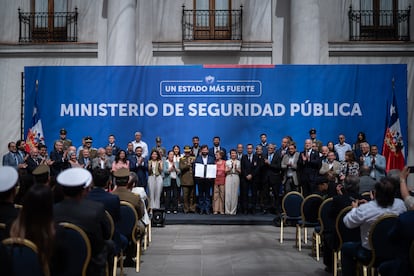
[(379, 25), (41, 27), (212, 24)]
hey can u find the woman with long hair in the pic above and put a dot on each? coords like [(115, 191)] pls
[(35, 222), (219, 187), (349, 166), (233, 169), (155, 169), (121, 161)]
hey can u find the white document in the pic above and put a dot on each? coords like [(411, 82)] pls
[(205, 171)]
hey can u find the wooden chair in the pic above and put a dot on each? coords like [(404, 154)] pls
[(324, 218), (344, 234), (382, 247), (75, 247), (309, 217), (291, 204), (128, 227), (24, 257)]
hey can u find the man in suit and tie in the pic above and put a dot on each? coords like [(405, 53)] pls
[(204, 183), (376, 162), (33, 161), (101, 161), (216, 148), (111, 143), (263, 143), (85, 159), (289, 165), (273, 179), (139, 165), (195, 149), (239, 151), (309, 164), (12, 158), (246, 181)]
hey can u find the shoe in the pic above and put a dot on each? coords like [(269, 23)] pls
[(215, 213), (175, 212), (168, 212)]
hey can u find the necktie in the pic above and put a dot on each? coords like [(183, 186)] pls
[(250, 158), (270, 157)]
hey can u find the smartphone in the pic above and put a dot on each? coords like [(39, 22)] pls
[(411, 169)]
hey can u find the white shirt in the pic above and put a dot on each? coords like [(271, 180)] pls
[(143, 145), (366, 214)]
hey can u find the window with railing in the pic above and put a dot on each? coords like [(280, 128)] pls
[(379, 20), (212, 20), (49, 21)]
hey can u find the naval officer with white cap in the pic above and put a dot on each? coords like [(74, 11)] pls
[(8, 183), (88, 215)]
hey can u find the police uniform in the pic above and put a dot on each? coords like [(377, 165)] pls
[(187, 181)]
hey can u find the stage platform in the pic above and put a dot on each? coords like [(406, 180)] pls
[(239, 219)]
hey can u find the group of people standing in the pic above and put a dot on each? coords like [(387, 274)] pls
[(247, 179)]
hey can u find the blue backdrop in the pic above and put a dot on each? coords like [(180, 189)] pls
[(235, 103)]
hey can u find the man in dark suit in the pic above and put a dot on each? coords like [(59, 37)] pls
[(87, 214), (273, 179), (139, 165), (309, 164), (33, 160), (111, 143), (247, 182), (216, 147), (58, 159), (8, 213), (204, 183)]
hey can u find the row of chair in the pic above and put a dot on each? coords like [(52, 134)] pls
[(77, 247), (313, 212)]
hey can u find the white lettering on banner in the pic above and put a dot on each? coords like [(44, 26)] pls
[(109, 109), (305, 109)]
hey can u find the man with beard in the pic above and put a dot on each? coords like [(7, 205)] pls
[(139, 165), (195, 149), (289, 165), (216, 148), (58, 159), (204, 183)]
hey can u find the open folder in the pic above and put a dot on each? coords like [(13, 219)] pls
[(205, 171)]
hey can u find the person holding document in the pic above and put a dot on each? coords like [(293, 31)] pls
[(205, 173)]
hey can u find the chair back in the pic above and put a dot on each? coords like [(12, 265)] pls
[(74, 249), (366, 196), (344, 233), (24, 257), (291, 204), (310, 208), (324, 214), (127, 224), (383, 248), (111, 224)]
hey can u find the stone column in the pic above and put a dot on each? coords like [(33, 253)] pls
[(121, 32), (304, 32)]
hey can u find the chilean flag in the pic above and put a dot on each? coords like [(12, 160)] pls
[(393, 148), (35, 134)]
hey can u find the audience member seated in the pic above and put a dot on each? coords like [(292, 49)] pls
[(364, 214), (346, 193), (366, 182), (110, 201), (88, 215), (8, 181), (35, 222)]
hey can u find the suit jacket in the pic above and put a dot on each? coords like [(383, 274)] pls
[(259, 169), (247, 167), (378, 171), (88, 215), (366, 184), (89, 163), (336, 167), (290, 171), (92, 153), (110, 201), (97, 164), (274, 170), (211, 152), (140, 169), (59, 163), (199, 160), (126, 195), (166, 173), (309, 168), (32, 164), (9, 159)]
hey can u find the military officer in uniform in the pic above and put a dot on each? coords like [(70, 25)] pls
[(187, 180)]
